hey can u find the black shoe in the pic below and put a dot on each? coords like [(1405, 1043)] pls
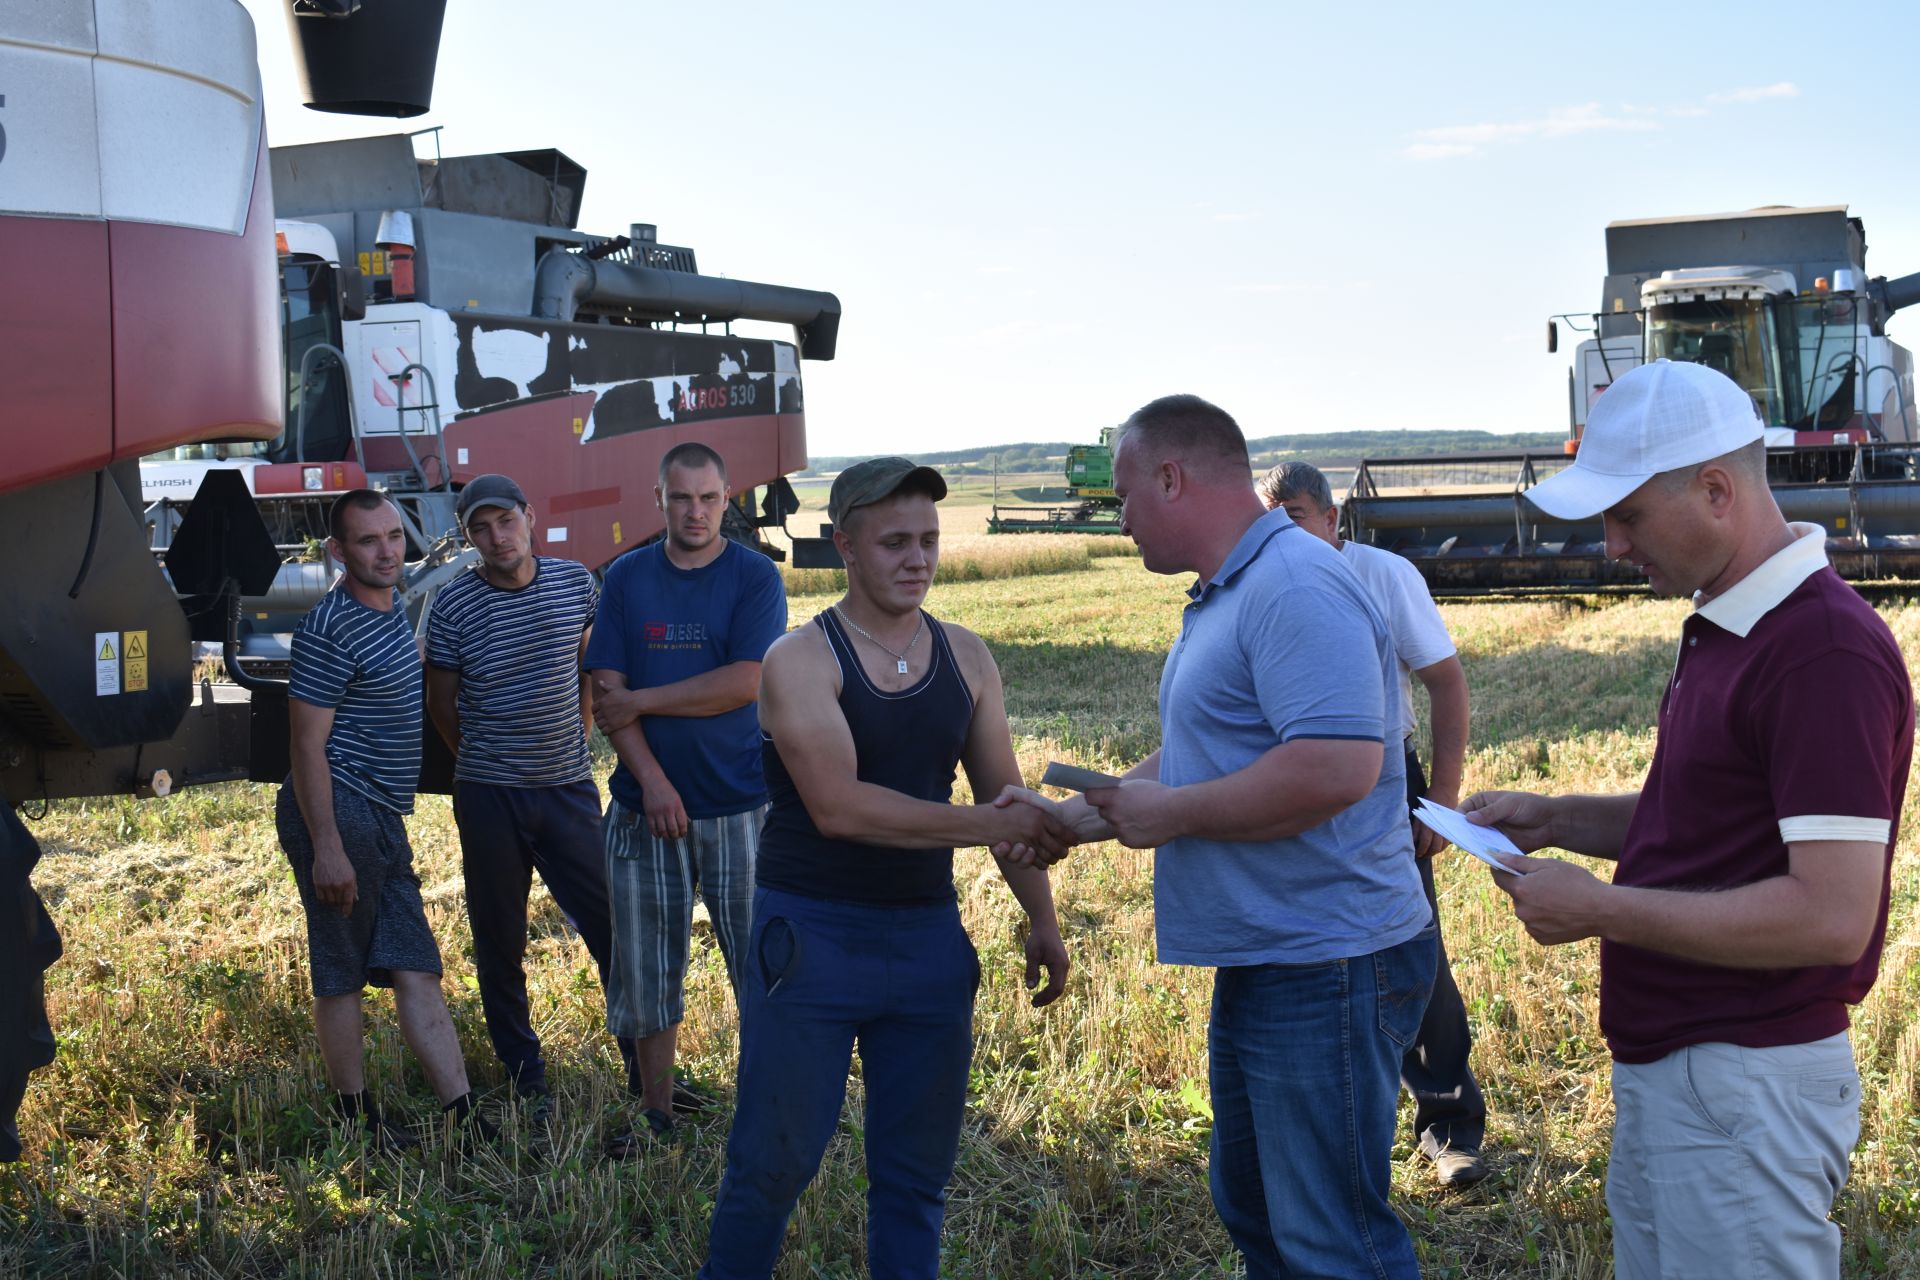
[(471, 1129), (688, 1096), (536, 1109), (656, 1126), (360, 1118), (1456, 1167)]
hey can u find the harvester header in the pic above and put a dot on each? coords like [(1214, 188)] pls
[(1779, 300)]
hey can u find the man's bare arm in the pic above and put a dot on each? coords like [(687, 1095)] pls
[(443, 705), (309, 728), (1446, 684), (666, 816), (991, 767), (1821, 912), (800, 711), (1592, 825), (1290, 788), (710, 693)]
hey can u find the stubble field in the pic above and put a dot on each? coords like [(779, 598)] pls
[(181, 1130)]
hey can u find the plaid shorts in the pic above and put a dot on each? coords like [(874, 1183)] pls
[(651, 884), (387, 929)]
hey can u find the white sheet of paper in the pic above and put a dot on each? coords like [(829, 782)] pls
[(1071, 777), (1482, 842)]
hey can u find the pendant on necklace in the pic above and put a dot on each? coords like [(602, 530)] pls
[(901, 666)]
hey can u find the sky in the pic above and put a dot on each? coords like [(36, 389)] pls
[(1039, 217)]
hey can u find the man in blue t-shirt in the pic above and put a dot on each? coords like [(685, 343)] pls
[(1285, 860), (675, 661), (354, 707), (506, 690)]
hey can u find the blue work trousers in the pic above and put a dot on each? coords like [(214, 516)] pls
[(1305, 1069), (822, 978)]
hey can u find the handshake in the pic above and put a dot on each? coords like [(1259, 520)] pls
[(1032, 830)]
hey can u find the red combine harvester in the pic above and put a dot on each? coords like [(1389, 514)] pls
[(153, 310)]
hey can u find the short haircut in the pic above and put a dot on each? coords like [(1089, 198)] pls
[(693, 455), (1292, 480), (1748, 462), (1201, 434), (352, 500)]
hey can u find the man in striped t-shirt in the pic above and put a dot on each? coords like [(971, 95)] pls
[(505, 688), (354, 707)]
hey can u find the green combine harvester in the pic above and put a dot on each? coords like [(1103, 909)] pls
[(1093, 509)]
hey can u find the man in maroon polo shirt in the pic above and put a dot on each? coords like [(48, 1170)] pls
[(1749, 905)]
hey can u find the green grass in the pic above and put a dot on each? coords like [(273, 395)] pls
[(178, 1133)]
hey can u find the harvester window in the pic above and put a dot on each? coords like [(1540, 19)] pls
[(1731, 335)]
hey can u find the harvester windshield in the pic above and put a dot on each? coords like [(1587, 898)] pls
[(1735, 336)]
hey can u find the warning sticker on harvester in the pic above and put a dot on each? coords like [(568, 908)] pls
[(106, 663), (133, 648)]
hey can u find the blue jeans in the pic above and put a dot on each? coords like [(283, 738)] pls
[(1305, 1070), (821, 977)]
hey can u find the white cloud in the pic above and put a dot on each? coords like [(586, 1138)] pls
[(1758, 93), (1450, 142), (1438, 150)]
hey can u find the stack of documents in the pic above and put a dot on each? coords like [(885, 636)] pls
[(1483, 843)]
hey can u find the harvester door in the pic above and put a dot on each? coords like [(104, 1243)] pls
[(388, 347)]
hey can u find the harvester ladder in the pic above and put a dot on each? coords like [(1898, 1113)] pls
[(431, 406)]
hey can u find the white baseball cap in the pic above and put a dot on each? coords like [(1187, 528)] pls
[(1658, 417)]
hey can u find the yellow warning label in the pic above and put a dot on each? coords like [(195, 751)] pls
[(616, 533), (579, 425), (106, 646), (133, 647), (366, 263), (379, 262)]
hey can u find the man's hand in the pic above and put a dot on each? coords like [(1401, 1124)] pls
[(1027, 835), (1046, 951), (333, 880), (1074, 812), (1141, 814), (1557, 901), (666, 816), (1527, 819), (614, 708), (1426, 841)]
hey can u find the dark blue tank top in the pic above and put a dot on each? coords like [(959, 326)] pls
[(908, 742)]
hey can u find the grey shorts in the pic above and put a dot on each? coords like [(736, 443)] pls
[(650, 883), (387, 929), (1726, 1161)]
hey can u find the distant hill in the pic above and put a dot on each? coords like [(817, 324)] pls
[(1323, 449)]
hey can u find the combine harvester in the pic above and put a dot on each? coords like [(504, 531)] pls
[(1094, 509), (445, 318), (1776, 298)]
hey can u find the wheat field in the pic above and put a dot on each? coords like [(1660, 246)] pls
[(181, 1130)]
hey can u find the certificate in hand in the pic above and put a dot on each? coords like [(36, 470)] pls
[(1482, 842), (1071, 777)]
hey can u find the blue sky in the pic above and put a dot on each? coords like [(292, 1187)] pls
[(1039, 217)]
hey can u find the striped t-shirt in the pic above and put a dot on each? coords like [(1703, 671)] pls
[(364, 664), (518, 656)]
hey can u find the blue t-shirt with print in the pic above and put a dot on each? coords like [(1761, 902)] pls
[(657, 624), (1282, 644)]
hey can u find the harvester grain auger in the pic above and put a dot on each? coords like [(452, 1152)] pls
[(1777, 299)]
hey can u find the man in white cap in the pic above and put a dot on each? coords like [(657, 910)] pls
[(1749, 904)]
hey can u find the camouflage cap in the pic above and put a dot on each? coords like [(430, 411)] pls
[(865, 483)]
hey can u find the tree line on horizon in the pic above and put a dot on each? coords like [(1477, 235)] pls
[(1329, 448)]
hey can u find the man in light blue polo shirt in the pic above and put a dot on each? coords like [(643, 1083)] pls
[(1285, 857)]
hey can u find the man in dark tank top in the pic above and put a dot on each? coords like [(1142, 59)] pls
[(857, 939)]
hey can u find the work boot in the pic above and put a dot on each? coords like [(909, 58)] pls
[(470, 1128), (655, 1126), (361, 1118), (1456, 1168)]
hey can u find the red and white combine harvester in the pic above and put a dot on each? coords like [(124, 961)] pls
[(408, 324)]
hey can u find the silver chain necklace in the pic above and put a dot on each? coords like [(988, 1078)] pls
[(900, 657)]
